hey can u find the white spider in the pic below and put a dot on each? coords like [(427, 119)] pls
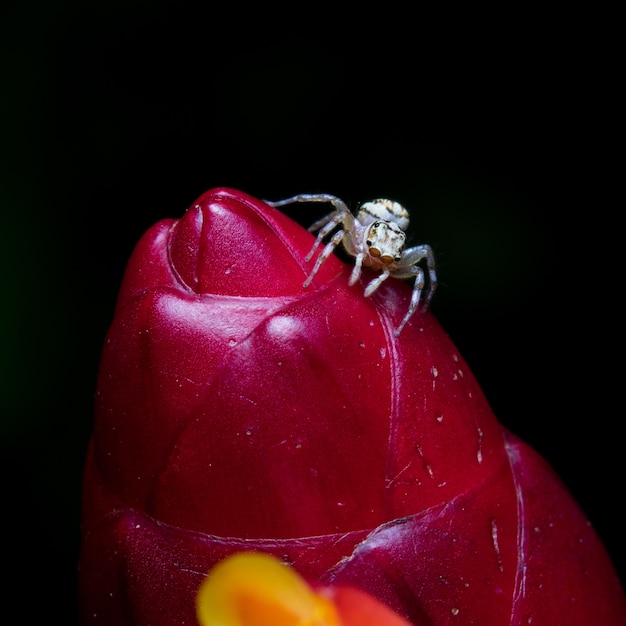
[(376, 237)]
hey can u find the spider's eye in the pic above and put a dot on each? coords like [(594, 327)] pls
[(369, 243), (375, 224), (398, 259)]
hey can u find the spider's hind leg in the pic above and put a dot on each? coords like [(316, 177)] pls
[(329, 222), (326, 252), (338, 203)]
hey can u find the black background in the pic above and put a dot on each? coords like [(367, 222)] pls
[(498, 132)]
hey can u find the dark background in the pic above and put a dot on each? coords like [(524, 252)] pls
[(496, 131)]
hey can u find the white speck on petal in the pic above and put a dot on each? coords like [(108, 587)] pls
[(454, 611), (426, 465), (496, 545), (284, 327)]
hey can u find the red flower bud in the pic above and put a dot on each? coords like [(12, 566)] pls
[(237, 410)]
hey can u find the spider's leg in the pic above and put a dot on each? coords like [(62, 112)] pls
[(432, 275), (415, 297), (376, 283), (410, 258), (332, 221), (341, 208), (324, 221), (326, 252), (311, 197), (356, 271)]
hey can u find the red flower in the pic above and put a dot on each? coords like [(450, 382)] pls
[(237, 410)]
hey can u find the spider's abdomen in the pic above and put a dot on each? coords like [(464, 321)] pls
[(384, 210)]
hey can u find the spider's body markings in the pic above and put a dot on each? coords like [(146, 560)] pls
[(376, 237)]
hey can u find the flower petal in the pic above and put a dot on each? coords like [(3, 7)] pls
[(256, 589)]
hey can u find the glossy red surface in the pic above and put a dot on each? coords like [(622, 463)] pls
[(236, 410)]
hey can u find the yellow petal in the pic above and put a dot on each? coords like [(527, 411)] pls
[(257, 589)]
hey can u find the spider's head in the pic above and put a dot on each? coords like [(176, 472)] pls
[(385, 241)]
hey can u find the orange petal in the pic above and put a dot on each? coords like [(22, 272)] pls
[(357, 608), (256, 589)]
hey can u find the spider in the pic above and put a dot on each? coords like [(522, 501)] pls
[(376, 237)]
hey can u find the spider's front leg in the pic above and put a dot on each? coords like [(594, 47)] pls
[(376, 283)]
